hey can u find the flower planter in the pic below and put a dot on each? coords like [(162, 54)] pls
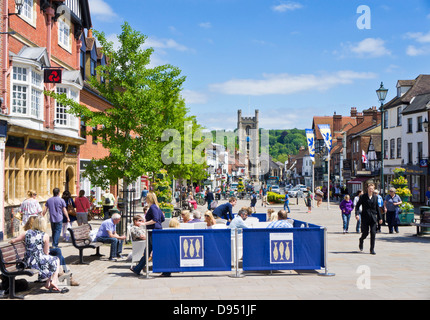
[(406, 218), (167, 212)]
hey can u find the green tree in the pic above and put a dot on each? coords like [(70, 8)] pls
[(144, 102)]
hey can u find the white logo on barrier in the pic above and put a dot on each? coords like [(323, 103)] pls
[(191, 251), (281, 248)]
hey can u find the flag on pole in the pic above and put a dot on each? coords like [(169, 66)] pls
[(310, 137), (326, 133), (364, 157)]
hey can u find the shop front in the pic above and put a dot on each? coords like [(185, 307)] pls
[(38, 161), (417, 182)]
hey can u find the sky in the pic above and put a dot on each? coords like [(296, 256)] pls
[(291, 60)]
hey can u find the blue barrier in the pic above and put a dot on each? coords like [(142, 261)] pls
[(185, 250), (261, 216), (298, 248), (302, 247)]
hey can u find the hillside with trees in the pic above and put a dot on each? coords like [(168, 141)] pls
[(286, 142)]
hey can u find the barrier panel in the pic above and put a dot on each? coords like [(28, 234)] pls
[(261, 216), (298, 248), (188, 250)]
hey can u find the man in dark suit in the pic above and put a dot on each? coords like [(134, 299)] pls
[(370, 216)]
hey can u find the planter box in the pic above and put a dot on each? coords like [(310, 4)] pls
[(167, 212), (406, 218)]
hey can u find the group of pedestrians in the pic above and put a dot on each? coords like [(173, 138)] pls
[(39, 255), (370, 209)]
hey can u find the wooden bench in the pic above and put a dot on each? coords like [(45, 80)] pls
[(424, 222), (81, 240), (12, 264)]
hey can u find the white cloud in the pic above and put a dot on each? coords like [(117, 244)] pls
[(419, 36), (285, 84), (205, 25), (164, 44), (160, 48), (370, 48), (101, 10), (288, 6), (414, 51), (194, 97)]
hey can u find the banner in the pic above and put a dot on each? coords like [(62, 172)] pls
[(310, 136), (326, 133), (182, 250), (363, 156)]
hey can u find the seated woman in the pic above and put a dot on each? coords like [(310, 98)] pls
[(209, 219), (186, 216), (37, 254), (174, 223)]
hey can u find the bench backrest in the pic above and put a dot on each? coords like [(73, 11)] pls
[(425, 217), (10, 254), (82, 232)]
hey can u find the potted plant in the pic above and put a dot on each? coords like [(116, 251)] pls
[(404, 193), (406, 216), (163, 192)]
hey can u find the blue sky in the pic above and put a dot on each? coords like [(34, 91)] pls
[(292, 60)]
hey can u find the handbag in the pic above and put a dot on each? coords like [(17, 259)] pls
[(70, 210)]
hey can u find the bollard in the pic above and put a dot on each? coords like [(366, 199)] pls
[(147, 256), (236, 262), (326, 273)]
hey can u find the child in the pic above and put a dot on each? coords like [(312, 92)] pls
[(286, 202), (346, 207)]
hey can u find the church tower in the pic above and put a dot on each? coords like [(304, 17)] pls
[(248, 139)]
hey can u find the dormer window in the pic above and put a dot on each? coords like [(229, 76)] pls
[(93, 67)]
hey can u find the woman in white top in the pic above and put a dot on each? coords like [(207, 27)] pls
[(30, 207)]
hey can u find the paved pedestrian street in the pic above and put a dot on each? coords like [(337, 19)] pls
[(398, 271)]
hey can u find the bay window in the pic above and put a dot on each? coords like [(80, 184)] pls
[(27, 92)]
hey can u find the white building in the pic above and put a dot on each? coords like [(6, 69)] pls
[(415, 151), (394, 131), (217, 161)]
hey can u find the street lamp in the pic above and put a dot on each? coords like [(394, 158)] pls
[(18, 4), (382, 94)]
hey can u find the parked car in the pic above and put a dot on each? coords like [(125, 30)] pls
[(275, 188), (295, 192)]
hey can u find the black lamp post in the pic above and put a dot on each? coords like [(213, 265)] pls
[(382, 95)]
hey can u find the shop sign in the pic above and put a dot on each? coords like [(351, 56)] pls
[(57, 147), (52, 75)]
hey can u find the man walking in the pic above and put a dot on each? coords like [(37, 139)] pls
[(57, 207), (370, 216)]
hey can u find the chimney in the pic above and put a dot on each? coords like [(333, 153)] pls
[(360, 117), (353, 112), (337, 122)]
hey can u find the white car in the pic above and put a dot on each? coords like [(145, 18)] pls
[(295, 192), (275, 188)]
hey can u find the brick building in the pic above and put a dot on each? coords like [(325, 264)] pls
[(43, 140), (91, 58)]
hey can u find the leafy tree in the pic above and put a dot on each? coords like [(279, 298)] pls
[(145, 101)]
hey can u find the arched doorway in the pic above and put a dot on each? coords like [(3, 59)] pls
[(70, 180)]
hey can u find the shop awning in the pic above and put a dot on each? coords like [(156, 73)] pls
[(358, 180)]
